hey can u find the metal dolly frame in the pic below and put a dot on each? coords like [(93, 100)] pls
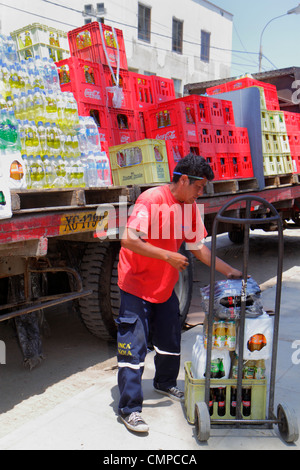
[(285, 419)]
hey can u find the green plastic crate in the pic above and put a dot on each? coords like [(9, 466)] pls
[(195, 392)]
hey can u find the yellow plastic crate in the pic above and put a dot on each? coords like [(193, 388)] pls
[(269, 165), (141, 162), (277, 121), (195, 392), (37, 39), (288, 164)]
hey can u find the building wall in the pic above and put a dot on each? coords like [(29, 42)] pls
[(155, 57)]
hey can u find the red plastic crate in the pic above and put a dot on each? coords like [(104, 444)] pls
[(243, 140), (124, 83), (172, 120), (292, 121), (176, 150), (85, 42), (219, 138), (294, 142), (83, 78), (140, 125), (215, 90), (232, 139), (123, 126), (241, 165), (228, 113), (296, 163), (163, 89), (224, 166), (216, 111), (270, 90), (142, 90), (206, 140)]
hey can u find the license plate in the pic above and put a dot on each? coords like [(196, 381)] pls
[(82, 222)]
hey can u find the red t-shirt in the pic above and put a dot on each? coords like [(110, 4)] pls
[(165, 223)]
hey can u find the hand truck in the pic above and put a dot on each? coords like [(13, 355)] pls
[(285, 419)]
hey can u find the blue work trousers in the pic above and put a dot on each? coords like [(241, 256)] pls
[(137, 318)]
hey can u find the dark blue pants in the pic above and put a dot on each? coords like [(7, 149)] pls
[(137, 318)]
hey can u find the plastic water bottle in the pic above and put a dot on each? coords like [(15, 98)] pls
[(42, 133), (32, 143), (61, 104), (5, 87), (92, 175), (29, 106), (60, 172), (50, 171), (9, 49), (37, 171), (27, 171), (51, 107), (39, 105), (9, 132), (54, 78), (92, 134)]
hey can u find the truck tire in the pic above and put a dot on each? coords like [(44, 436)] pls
[(96, 271), (99, 273)]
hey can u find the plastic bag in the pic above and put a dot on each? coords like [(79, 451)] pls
[(118, 96), (258, 338), (227, 299)]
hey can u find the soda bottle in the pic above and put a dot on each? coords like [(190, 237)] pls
[(260, 369), (233, 398), (230, 339), (221, 401), (246, 400), (25, 76), (14, 84), (211, 402), (9, 131), (220, 334), (249, 370)]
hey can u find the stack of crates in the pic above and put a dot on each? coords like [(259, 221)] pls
[(276, 142), (124, 94), (37, 39), (292, 122), (203, 126)]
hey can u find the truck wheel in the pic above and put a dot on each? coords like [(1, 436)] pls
[(236, 236), (96, 271)]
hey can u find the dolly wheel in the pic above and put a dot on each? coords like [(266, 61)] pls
[(288, 426), (202, 421)]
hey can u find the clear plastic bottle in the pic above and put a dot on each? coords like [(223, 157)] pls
[(39, 105), (37, 171), (29, 106), (60, 109), (91, 170), (50, 171), (42, 133), (27, 171), (60, 169), (9, 132)]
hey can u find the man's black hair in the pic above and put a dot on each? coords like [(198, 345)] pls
[(193, 165)]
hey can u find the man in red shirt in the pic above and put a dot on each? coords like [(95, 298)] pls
[(162, 219)]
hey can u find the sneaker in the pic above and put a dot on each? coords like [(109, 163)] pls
[(134, 422), (172, 392)]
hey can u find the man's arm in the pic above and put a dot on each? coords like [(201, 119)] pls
[(134, 243), (203, 254)]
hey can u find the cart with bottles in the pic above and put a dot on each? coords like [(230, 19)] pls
[(252, 407)]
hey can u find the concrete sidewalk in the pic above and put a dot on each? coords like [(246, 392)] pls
[(89, 421)]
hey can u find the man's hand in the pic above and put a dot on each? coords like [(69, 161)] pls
[(235, 274), (177, 260)]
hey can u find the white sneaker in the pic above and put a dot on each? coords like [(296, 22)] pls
[(134, 422)]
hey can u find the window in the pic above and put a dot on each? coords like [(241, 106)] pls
[(88, 9), (144, 22), (205, 46), (100, 8), (177, 31)]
